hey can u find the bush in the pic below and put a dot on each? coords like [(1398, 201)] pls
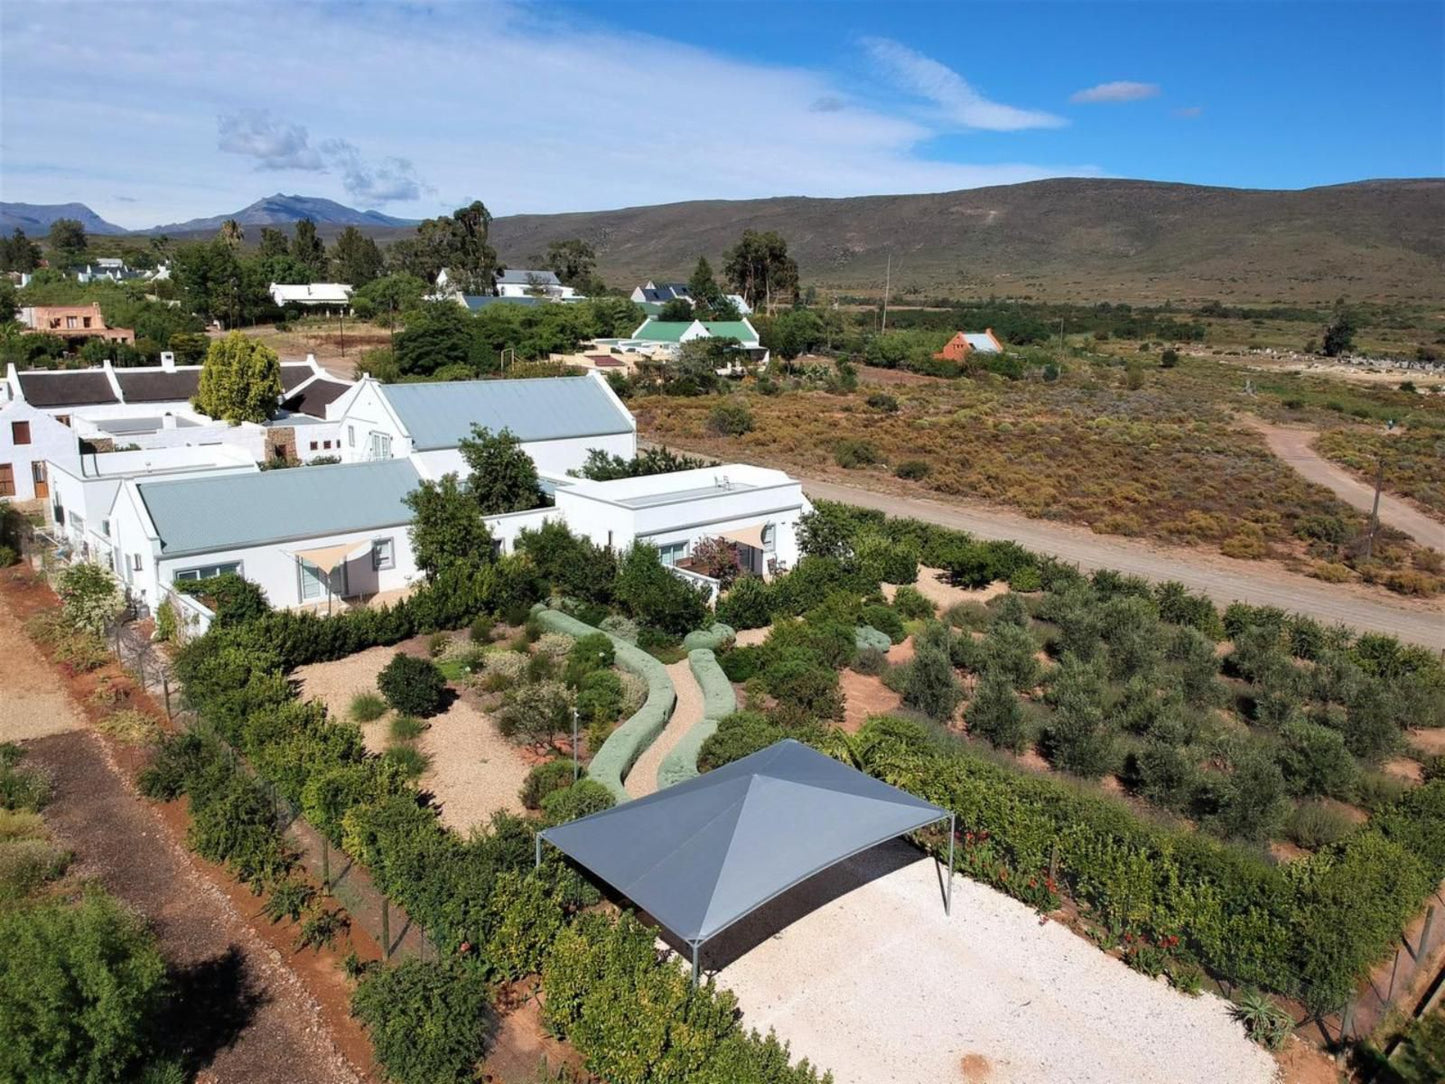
[(581, 799), (235, 599), (912, 470), (1078, 737), (912, 604), (1026, 580), (21, 787), (544, 779), (747, 604), (534, 713), (1316, 762), (931, 687), (738, 735), (995, 714), (412, 686), (366, 707), (730, 419), (1168, 358), (428, 1021), (654, 596), (880, 400), (129, 726), (82, 987), (90, 598), (853, 454), (1313, 825), (886, 621), (588, 655)]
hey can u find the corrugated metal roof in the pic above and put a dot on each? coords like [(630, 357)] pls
[(476, 302), (202, 515), (980, 341), (523, 277), (662, 331), (730, 329), (546, 408)]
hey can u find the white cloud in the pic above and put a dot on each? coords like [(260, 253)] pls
[(950, 92), (1189, 112), (272, 142), (560, 117), (1121, 91)]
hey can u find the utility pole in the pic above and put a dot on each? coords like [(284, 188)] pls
[(1061, 336), (887, 285), (1375, 511)]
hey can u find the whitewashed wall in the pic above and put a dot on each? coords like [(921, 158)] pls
[(50, 441)]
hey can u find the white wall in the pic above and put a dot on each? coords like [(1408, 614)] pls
[(50, 441), (505, 529), (365, 413)]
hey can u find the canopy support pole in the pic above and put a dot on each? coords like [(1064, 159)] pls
[(948, 891), (696, 945), (538, 837)]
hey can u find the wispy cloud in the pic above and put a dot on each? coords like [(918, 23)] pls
[(125, 199), (828, 103), (273, 143), (1189, 112), (1121, 91), (950, 92), (387, 181)]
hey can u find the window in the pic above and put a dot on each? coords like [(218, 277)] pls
[(63, 419), (351, 436), (770, 537), (205, 572), (77, 523), (37, 472), (135, 563), (105, 527), (70, 322), (326, 444), (380, 446), (672, 552), (383, 553), (7, 480), (313, 446), (85, 321), (20, 432)]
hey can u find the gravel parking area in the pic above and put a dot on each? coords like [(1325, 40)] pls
[(474, 770), (862, 972)]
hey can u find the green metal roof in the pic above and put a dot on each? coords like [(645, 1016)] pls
[(440, 415), (662, 331), (730, 329), (231, 511)]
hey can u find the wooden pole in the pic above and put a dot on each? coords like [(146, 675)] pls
[(385, 928), (325, 864), (1375, 511)]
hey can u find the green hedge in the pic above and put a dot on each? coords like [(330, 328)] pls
[(714, 638), (1310, 929), (718, 701), (620, 751)]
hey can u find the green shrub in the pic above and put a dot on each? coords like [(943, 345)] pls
[(591, 653), (367, 707), (1026, 579), (1316, 762), (852, 454), (90, 598), (407, 761), (912, 470), (236, 600), (1313, 825), (21, 787), (1078, 737), (911, 604), (26, 864), (82, 987), (234, 821), (599, 699), (730, 419), (581, 799), (871, 661), (995, 714), (747, 604), (880, 400), (533, 713), (529, 915), (412, 686), (1168, 358), (932, 687), (428, 1021), (405, 728), (654, 596), (1264, 1021), (167, 623), (544, 779), (737, 736), (1011, 651)]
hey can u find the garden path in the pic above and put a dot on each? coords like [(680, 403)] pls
[(642, 779)]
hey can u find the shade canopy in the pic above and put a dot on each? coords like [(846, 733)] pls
[(700, 855), (751, 535), (326, 558)]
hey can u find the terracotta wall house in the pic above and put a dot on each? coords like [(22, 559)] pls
[(74, 322)]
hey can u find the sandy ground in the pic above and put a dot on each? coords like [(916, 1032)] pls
[(753, 637), (932, 584), (864, 697), (879, 985), (474, 770), (32, 702), (1295, 446), (642, 780)]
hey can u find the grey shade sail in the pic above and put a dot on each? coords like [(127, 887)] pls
[(700, 855)]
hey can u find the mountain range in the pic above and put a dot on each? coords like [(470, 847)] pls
[(1095, 239)]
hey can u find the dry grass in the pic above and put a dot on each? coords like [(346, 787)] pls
[(1414, 461)]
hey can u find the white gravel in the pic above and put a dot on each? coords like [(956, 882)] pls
[(873, 982)]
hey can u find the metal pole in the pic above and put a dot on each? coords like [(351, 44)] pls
[(948, 891), (325, 864), (576, 768), (1375, 511), (385, 928), (539, 851), (695, 946)]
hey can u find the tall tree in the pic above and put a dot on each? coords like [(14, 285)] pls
[(232, 233), (357, 258), (18, 252), (572, 261), (308, 249), (447, 526), (68, 243), (459, 243), (1339, 337), (703, 287), (760, 269), (274, 243), (217, 283), (503, 477), (240, 380)]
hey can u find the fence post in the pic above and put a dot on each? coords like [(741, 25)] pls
[(325, 864), (166, 689), (1347, 1022), (1425, 931), (385, 928)]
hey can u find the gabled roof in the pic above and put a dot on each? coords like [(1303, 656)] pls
[(523, 277), (231, 511), (700, 855), (295, 373), (440, 415), (981, 341), (311, 293), (662, 331), (481, 301), (158, 385), (79, 387), (731, 329), (315, 396)]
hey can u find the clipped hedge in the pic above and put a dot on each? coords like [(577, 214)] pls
[(718, 701), (866, 636), (713, 639), (620, 751)]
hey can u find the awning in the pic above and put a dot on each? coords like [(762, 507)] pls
[(748, 536), (326, 558)]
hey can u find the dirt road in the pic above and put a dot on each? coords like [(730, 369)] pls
[(1223, 579), (1295, 447)]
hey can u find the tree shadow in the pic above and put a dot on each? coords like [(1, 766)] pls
[(212, 1002)]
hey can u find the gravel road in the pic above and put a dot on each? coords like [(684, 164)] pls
[(642, 779)]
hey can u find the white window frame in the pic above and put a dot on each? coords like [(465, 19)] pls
[(351, 436), (383, 553), (670, 553), (201, 572)]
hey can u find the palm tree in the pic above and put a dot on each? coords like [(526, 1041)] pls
[(232, 233)]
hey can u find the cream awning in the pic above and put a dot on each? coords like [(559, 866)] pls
[(326, 558), (751, 535)]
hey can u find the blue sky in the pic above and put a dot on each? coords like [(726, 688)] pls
[(175, 110)]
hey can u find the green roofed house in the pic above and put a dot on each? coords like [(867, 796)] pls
[(666, 332)]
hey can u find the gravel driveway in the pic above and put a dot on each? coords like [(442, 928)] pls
[(872, 981)]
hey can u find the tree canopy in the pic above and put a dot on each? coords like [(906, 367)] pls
[(447, 527), (760, 269), (357, 258), (573, 262), (240, 380), (309, 250), (503, 477), (68, 243)]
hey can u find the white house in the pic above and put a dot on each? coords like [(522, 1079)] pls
[(30, 440), (557, 419), (515, 282), (653, 295), (306, 536), (672, 332), (83, 490), (334, 295)]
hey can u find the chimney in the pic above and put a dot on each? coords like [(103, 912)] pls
[(168, 361), (168, 421)]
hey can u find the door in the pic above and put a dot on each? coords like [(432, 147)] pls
[(314, 582), (41, 479)]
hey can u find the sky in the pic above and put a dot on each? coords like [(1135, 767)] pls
[(158, 112)]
